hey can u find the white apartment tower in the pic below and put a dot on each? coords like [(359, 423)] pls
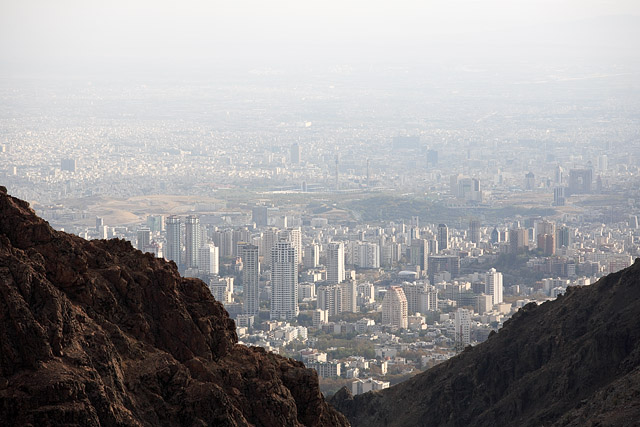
[(250, 279), (335, 263), (330, 299), (284, 281), (293, 235), (493, 285), (394, 308), (208, 259), (192, 241), (173, 239), (349, 296), (463, 327)]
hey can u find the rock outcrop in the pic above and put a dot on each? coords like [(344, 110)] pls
[(98, 333), (574, 361)]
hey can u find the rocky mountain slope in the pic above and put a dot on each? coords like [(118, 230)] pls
[(574, 361), (97, 333)]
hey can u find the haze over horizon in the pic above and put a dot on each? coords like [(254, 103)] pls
[(183, 39)]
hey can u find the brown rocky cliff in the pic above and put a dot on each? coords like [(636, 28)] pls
[(97, 333), (574, 361)]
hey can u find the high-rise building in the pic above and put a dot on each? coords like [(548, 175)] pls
[(311, 256), (440, 263), (420, 253), (250, 279), (559, 196), (155, 223), (192, 239), (495, 236), (580, 181), (284, 281), (443, 236), (293, 235), (529, 181), (394, 308), (474, 231), (144, 238), (260, 216), (173, 249), (295, 153), (335, 263), (432, 158), (330, 299), (433, 246), (493, 285), (349, 296), (99, 223), (420, 297), (267, 241), (518, 240), (563, 237), (68, 165), (222, 289), (365, 254), (209, 259), (463, 327), (223, 239)]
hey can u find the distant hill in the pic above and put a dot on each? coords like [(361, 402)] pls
[(97, 333), (574, 361)]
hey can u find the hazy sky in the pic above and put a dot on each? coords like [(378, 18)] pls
[(43, 32)]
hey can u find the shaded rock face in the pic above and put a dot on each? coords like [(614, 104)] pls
[(97, 333), (574, 361)]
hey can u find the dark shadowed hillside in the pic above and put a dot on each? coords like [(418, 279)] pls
[(574, 361), (97, 333)]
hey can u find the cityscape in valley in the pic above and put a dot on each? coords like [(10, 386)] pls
[(371, 229)]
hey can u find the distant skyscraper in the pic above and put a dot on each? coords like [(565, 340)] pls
[(293, 235), (330, 299), (311, 256), (463, 328), (284, 281), (99, 224), (295, 153), (335, 262), (260, 216), (144, 238), (394, 308), (580, 181), (559, 196), (493, 285), (495, 236), (474, 231), (192, 241), (443, 237), (420, 253), (208, 259), (267, 241), (172, 251), (349, 296), (155, 223), (68, 165), (250, 279), (440, 263), (432, 158), (529, 181)]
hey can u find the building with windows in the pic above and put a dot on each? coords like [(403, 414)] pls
[(173, 249), (335, 263), (284, 281), (493, 285), (394, 308), (250, 279), (208, 259)]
